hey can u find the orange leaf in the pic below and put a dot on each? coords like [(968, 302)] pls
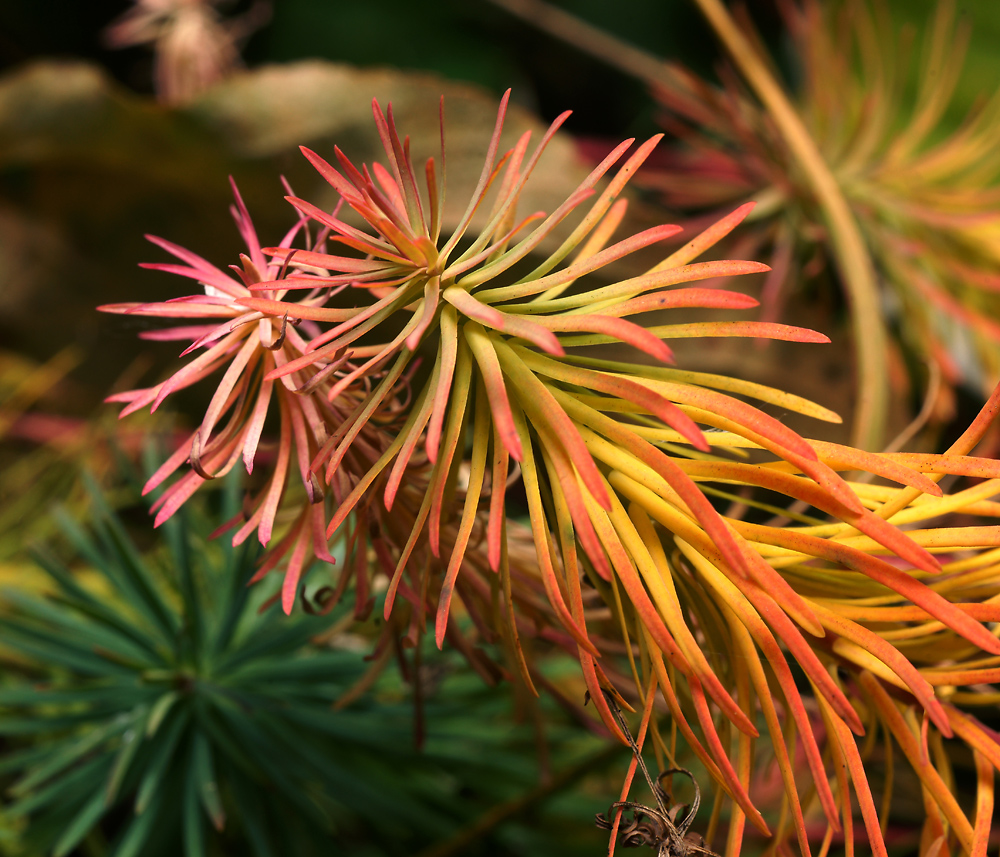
[(929, 777)]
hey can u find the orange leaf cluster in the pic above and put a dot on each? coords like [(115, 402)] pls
[(420, 374)]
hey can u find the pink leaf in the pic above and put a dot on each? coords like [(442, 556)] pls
[(629, 333), (496, 389)]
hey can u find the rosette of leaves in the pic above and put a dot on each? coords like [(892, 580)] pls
[(339, 402), (606, 448), (250, 346), (459, 340), (160, 711), (493, 370)]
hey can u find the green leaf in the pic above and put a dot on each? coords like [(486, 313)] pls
[(239, 570), (21, 759), (138, 833), (272, 759), (77, 784), (159, 761), (323, 667), (57, 649), (80, 826), (222, 735), (159, 711), (285, 636), (74, 596), (131, 741), (194, 822), (80, 540), (130, 570), (34, 724), (118, 695), (177, 533), (86, 632), (73, 750), (204, 775)]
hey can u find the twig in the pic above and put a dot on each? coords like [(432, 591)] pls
[(459, 843)]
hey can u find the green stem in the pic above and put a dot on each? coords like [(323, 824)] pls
[(853, 260)]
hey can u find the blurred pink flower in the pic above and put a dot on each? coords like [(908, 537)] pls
[(194, 46)]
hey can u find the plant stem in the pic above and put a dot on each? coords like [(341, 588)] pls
[(851, 255), (592, 40), (853, 260), (459, 843)]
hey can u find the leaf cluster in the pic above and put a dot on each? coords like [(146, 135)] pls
[(162, 712), (739, 567)]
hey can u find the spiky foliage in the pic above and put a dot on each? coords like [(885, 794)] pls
[(886, 637), (251, 345), (618, 473), (850, 173), (159, 711), (924, 196), (493, 370)]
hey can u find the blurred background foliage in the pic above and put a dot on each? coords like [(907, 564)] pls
[(473, 42), (149, 699), (89, 162)]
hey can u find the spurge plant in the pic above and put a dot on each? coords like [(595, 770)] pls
[(412, 372)]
